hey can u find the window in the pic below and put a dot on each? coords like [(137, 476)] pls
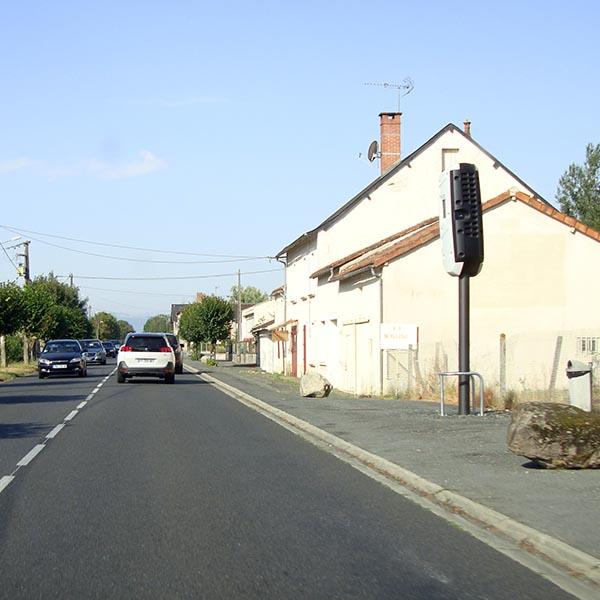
[(588, 345)]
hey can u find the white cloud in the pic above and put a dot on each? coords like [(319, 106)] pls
[(148, 163), (15, 164)]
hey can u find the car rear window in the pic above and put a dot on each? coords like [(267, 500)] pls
[(145, 343), (61, 347)]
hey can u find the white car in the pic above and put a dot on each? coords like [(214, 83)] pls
[(146, 355)]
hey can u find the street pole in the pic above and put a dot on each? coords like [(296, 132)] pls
[(239, 315), (464, 404), (26, 279), (71, 279)]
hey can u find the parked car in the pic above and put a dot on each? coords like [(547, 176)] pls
[(109, 348), (62, 357), (94, 351), (146, 355), (174, 343)]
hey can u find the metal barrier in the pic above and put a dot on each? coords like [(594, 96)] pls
[(470, 374)]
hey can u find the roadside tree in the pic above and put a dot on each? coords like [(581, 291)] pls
[(11, 314), (160, 323), (578, 189), (124, 329), (249, 294), (105, 326), (206, 321)]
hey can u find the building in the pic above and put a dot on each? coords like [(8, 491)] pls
[(369, 305)]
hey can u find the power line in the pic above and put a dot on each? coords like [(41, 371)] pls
[(137, 292), (171, 278), (126, 247), (145, 260), (9, 258)]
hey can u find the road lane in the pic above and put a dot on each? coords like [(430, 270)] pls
[(179, 491), (30, 408)]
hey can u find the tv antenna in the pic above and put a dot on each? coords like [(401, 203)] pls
[(404, 88)]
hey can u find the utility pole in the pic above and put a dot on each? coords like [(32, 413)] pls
[(239, 314), (24, 272), (71, 279)]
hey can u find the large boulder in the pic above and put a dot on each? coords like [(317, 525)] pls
[(314, 385), (555, 435)]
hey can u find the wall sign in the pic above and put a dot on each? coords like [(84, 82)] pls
[(398, 336)]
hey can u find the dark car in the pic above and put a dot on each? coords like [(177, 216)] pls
[(94, 351), (110, 349), (174, 343), (62, 357)]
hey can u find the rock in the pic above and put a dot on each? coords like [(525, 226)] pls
[(314, 385), (555, 435)]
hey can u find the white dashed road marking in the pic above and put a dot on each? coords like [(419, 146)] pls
[(55, 431), (30, 455), (6, 479)]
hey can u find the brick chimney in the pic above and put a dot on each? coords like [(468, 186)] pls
[(467, 125), (389, 147)]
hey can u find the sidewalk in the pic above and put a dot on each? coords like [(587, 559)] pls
[(466, 455)]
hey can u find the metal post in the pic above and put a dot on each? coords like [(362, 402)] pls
[(26, 275), (239, 318), (464, 404)]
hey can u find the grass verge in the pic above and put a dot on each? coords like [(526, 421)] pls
[(16, 370)]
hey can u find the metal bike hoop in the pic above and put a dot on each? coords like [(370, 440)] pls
[(471, 375)]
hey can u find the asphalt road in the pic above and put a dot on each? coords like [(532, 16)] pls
[(178, 491)]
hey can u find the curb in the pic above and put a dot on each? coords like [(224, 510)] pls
[(576, 562)]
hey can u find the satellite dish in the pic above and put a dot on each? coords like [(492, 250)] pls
[(372, 152)]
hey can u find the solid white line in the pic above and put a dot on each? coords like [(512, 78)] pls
[(4, 481), (55, 431), (81, 405), (30, 455), (71, 415)]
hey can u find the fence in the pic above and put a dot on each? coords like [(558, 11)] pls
[(516, 368)]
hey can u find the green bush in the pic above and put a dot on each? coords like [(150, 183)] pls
[(14, 348)]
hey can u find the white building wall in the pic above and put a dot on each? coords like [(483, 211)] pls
[(410, 196), (534, 287)]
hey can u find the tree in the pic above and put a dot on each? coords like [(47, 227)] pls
[(206, 321), (11, 308), (66, 316), (160, 323), (105, 326), (124, 329), (250, 294), (11, 314), (40, 315), (578, 189)]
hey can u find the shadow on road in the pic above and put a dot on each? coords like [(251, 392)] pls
[(38, 398), (21, 430)]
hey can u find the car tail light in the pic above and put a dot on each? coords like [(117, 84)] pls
[(126, 349), (165, 349)]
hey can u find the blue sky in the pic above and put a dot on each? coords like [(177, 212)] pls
[(230, 128)]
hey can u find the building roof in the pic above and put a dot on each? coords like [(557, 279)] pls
[(175, 310), (409, 240), (376, 183)]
